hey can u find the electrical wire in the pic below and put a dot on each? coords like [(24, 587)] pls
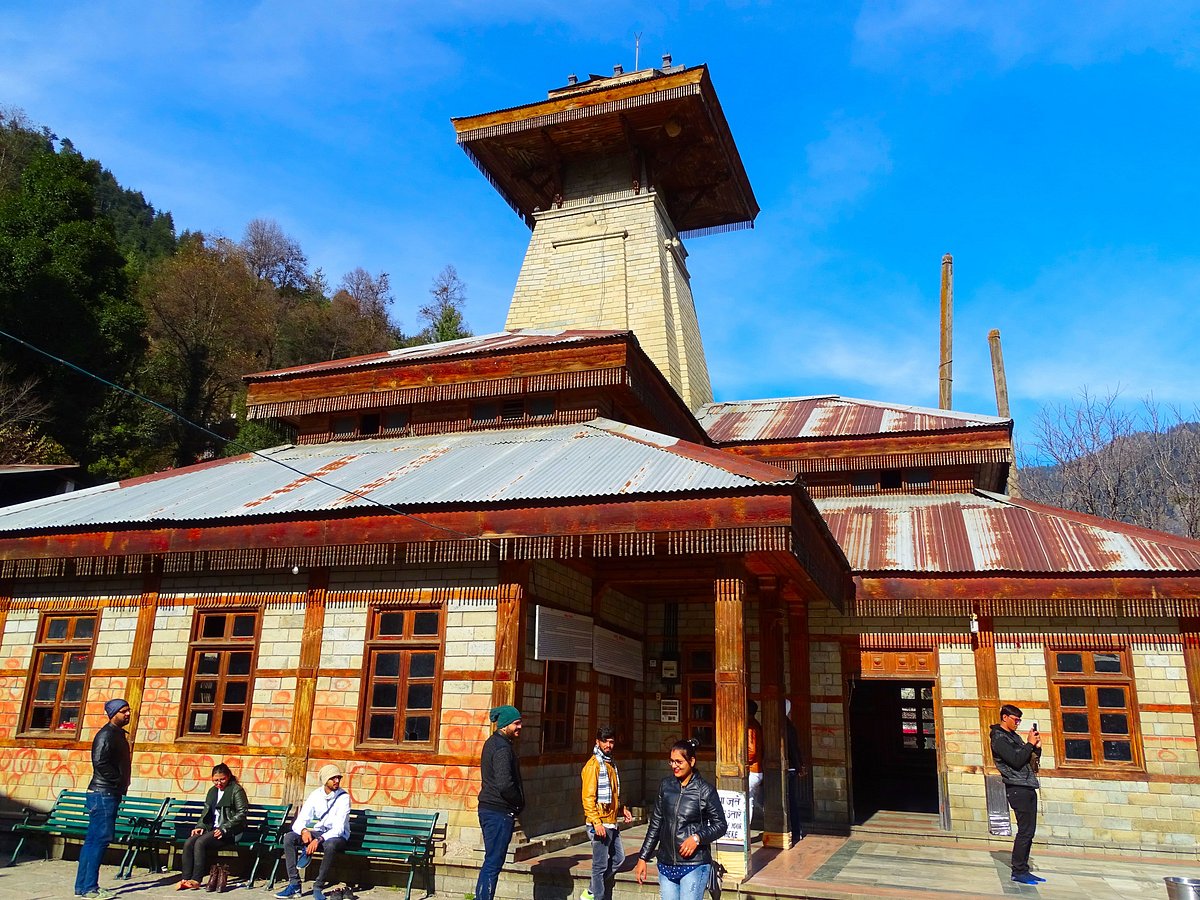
[(233, 443)]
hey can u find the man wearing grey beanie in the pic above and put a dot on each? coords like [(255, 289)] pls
[(111, 769)]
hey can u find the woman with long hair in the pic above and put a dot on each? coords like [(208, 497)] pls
[(687, 818), (221, 821)]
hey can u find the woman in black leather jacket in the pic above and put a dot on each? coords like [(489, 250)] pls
[(687, 818), (221, 821)]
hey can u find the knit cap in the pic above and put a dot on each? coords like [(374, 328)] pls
[(504, 716), (114, 706)]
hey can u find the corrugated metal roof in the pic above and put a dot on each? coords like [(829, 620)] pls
[(597, 459), (985, 532), (501, 340), (826, 416)]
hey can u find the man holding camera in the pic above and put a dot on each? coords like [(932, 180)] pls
[(1018, 762)]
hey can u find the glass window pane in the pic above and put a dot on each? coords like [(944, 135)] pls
[(425, 623), (422, 665), (239, 663), (701, 711), (1076, 723), (1114, 723), (231, 721), (1111, 697), (208, 664), (930, 743), (420, 696), (910, 741), (1078, 750), (243, 626), (213, 626), (395, 419), (40, 720), (927, 714), (235, 693), (52, 663), (382, 727), (77, 664), (926, 693), (416, 728), (908, 713), (1107, 662), (391, 624), (705, 735), (1118, 751), (200, 722), (85, 628), (907, 693), (73, 693), (204, 693), (344, 425), (56, 629), (384, 694), (47, 689), (702, 690), (68, 718), (1069, 662), (700, 661), (387, 665), (1072, 696)]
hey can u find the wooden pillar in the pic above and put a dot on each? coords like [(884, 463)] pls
[(510, 634), (730, 643), (987, 686), (143, 636), (800, 692), (776, 830), (295, 772), (1191, 660)]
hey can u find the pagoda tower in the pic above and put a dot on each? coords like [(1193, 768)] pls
[(611, 174)]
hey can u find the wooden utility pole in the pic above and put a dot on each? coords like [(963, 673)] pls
[(1002, 410), (945, 375)]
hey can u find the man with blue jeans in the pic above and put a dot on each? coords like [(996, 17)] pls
[(501, 796), (111, 769), (601, 806)]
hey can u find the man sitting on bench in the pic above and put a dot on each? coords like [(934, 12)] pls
[(323, 823)]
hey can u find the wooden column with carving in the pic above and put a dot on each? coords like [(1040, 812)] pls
[(295, 771), (510, 634), (987, 685), (776, 830), (730, 642), (143, 635), (800, 692), (1191, 660)]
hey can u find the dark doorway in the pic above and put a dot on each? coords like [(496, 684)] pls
[(893, 747)]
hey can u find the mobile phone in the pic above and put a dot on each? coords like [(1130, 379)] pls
[(1033, 725)]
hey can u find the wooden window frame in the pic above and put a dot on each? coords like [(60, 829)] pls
[(405, 644), (226, 644), (67, 646), (558, 726), (621, 705), (1091, 681)]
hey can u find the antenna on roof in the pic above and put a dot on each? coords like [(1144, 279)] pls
[(637, 49)]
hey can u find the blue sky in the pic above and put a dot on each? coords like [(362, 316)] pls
[(1051, 147)]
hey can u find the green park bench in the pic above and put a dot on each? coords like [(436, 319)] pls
[(262, 835)]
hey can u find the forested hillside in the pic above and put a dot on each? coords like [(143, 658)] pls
[(94, 274)]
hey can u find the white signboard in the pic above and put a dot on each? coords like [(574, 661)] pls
[(562, 635), (668, 710), (734, 803), (615, 654)]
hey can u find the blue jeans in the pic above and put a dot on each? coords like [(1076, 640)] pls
[(690, 887), (607, 856), (102, 825), (497, 832)]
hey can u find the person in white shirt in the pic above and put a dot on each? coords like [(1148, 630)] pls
[(323, 823)]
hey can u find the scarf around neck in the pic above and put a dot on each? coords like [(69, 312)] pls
[(604, 790)]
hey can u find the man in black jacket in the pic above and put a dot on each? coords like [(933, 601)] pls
[(1018, 761), (501, 796), (110, 780)]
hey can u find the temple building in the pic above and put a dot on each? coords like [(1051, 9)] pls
[(559, 516)]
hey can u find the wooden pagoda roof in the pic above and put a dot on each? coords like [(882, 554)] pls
[(671, 119)]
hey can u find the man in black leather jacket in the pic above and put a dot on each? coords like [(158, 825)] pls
[(111, 768), (1018, 763)]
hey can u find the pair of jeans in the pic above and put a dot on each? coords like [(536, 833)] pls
[(102, 825), (497, 830), (329, 847), (607, 856), (1023, 801), (197, 850), (690, 887)]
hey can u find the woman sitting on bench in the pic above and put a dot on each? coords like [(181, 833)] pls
[(223, 818)]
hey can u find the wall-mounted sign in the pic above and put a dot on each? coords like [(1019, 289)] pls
[(668, 710), (734, 803), (670, 668), (562, 635), (615, 654)]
